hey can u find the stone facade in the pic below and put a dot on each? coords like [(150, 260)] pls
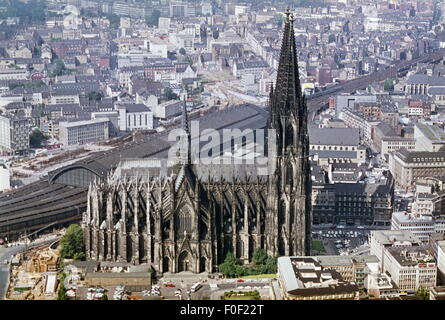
[(192, 216)]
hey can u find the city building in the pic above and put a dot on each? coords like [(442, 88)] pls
[(440, 258), (422, 226), (167, 109), (351, 268), (5, 178), (359, 203), (395, 143), (429, 138), (384, 239), (83, 132), (410, 267), (345, 100), (14, 134), (304, 278), (379, 285), (408, 167), (331, 145), (134, 116)]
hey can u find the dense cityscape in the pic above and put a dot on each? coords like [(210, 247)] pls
[(222, 150)]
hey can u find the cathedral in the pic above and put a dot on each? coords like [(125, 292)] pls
[(188, 216)]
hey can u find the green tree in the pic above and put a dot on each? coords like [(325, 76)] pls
[(423, 294), (37, 51), (271, 265), (115, 20), (182, 51), (170, 95), (94, 95), (72, 243), (389, 85), (153, 19), (259, 256), (61, 294), (228, 267), (331, 38), (36, 138), (59, 68)]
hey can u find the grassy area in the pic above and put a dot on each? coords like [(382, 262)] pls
[(240, 298), (256, 276), (318, 246), (250, 295)]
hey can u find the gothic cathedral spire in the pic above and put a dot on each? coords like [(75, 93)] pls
[(289, 232)]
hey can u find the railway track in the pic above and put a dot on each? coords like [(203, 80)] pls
[(319, 101)]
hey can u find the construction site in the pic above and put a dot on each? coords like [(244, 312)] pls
[(34, 274)]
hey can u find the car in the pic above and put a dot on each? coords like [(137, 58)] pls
[(240, 280), (170, 285)]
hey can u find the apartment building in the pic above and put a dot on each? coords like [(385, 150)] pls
[(14, 134), (408, 167), (411, 268)]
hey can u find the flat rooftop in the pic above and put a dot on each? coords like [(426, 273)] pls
[(405, 217), (304, 276), (82, 123), (411, 256), (388, 237)]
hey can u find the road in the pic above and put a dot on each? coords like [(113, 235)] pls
[(8, 253)]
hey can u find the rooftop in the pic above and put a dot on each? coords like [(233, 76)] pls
[(411, 256), (334, 136), (389, 237), (433, 133), (304, 276)]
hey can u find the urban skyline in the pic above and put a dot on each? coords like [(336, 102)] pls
[(222, 150)]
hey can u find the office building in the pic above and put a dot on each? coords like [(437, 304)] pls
[(83, 132)]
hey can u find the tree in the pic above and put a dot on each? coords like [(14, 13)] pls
[(36, 138), (423, 294), (153, 19), (72, 243), (115, 20), (94, 95), (61, 294), (215, 34), (259, 256), (170, 95), (389, 85), (331, 38), (182, 51), (59, 68), (37, 51), (271, 265), (228, 267)]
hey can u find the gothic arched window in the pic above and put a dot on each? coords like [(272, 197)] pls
[(184, 221)]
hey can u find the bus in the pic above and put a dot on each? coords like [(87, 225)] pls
[(196, 287)]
